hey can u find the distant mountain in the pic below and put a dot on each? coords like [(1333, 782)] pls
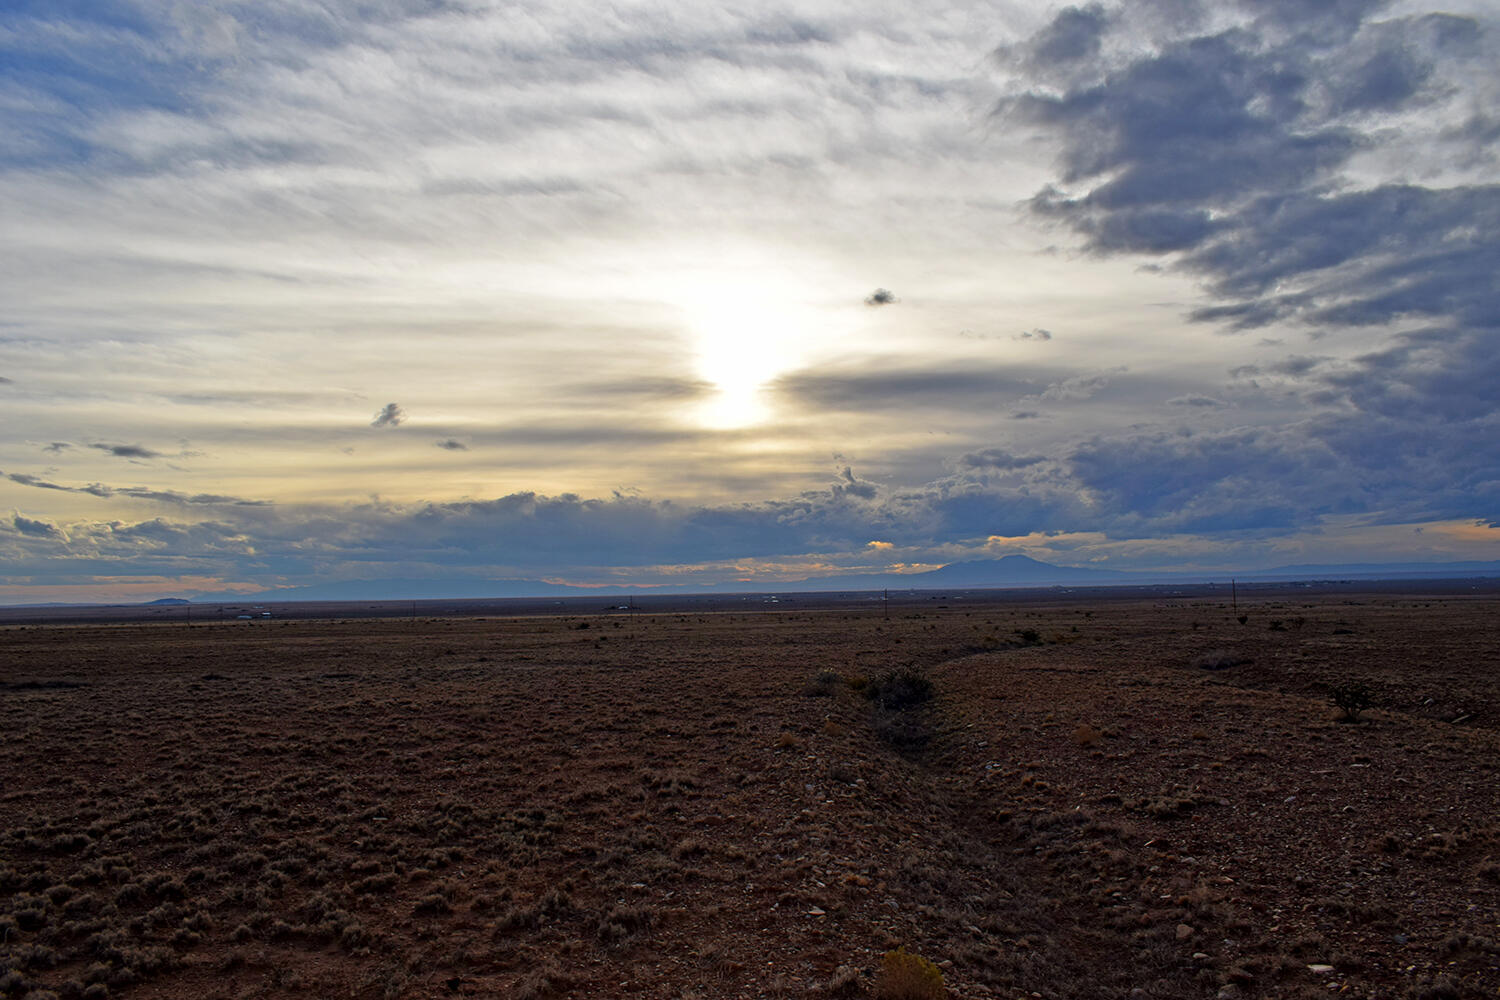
[(1020, 571), (167, 601)]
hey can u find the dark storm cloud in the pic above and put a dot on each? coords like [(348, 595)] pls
[(881, 297), (1428, 378), (127, 450), (1228, 153), (1167, 483), (1224, 147), (389, 415), (1075, 34), (452, 445)]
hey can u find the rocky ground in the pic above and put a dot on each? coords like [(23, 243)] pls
[(1103, 799)]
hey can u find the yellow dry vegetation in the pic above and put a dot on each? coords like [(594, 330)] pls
[(904, 976)]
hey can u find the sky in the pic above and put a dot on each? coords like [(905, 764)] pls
[(299, 291)]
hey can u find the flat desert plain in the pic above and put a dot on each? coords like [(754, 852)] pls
[(1102, 799)]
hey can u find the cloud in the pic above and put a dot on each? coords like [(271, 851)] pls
[(998, 458), (127, 450), (138, 493), (876, 385), (1307, 164), (1073, 36), (1081, 386), (25, 479), (881, 297), (239, 209), (57, 447), (1240, 179), (849, 485), (6, 381), (389, 415), (38, 529)]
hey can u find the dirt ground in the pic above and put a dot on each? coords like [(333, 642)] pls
[(1105, 799)]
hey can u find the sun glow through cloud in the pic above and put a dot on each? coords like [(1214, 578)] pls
[(747, 329)]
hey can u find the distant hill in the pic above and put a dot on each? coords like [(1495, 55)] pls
[(405, 590), (167, 601), (1009, 571), (1012, 571)]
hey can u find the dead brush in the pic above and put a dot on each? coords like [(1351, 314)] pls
[(900, 688), (904, 976), (824, 684), (1352, 698), (1086, 735)]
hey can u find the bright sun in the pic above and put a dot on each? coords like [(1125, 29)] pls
[(746, 333)]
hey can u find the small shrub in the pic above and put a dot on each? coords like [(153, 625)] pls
[(1086, 735), (904, 976), (1220, 659), (1352, 698), (844, 982), (903, 687), (434, 904), (824, 683)]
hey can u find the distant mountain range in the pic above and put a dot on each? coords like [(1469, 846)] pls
[(1013, 571)]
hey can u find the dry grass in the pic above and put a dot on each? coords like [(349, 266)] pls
[(518, 807)]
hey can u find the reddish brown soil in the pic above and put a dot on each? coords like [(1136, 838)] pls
[(675, 806)]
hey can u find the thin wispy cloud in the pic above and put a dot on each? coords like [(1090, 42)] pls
[(127, 450)]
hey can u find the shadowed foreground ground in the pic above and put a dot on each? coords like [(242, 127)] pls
[(1110, 799)]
